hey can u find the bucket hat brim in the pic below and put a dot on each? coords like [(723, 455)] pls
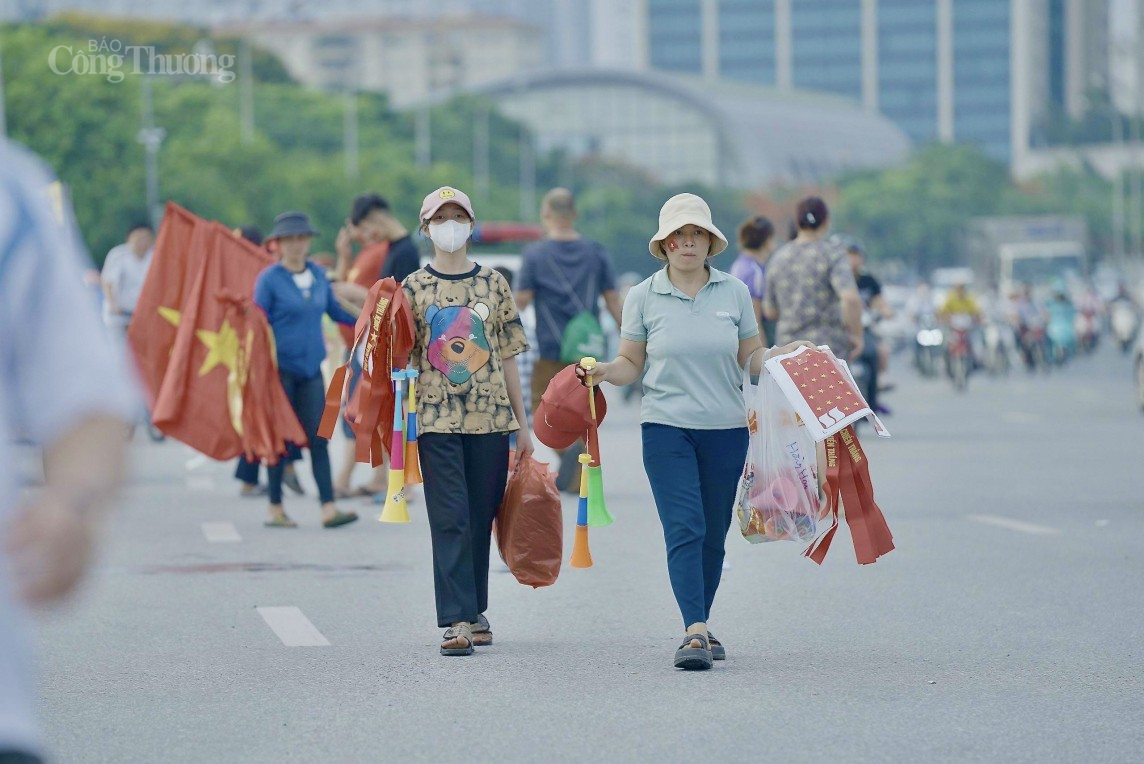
[(681, 210), (292, 224)]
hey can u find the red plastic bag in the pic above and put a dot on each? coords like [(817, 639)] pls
[(530, 524)]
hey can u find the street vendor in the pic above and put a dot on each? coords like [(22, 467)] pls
[(693, 327), (467, 337)]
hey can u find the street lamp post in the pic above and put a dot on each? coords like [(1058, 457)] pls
[(3, 119), (152, 138)]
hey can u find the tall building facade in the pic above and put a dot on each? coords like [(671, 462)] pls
[(989, 72)]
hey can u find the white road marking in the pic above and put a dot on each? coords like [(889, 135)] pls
[(200, 483), (1014, 525), (292, 627), (221, 533), (196, 461), (1021, 417)]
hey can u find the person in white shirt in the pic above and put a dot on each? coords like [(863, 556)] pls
[(73, 403), (124, 271)]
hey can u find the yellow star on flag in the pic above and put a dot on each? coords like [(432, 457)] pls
[(171, 315), (222, 348)]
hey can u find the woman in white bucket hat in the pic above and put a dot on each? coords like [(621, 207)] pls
[(694, 328)]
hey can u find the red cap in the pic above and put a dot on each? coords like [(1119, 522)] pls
[(563, 416)]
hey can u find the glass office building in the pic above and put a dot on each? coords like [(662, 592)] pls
[(907, 66), (982, 74), (941, 69), (826, 46)]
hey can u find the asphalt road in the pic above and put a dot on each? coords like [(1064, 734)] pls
[(1005, 627)]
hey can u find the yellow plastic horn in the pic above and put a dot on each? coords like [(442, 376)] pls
[(581, 556), (396, 510)]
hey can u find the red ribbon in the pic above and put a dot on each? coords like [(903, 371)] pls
[(848, 486), (386, 327)]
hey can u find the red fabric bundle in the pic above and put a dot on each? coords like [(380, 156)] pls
[(387, 329), (848, 481)]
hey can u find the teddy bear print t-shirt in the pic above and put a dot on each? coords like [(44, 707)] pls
[(466, 324)]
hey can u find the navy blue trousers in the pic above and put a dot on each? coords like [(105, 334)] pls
[(694, 475), (308, 398)]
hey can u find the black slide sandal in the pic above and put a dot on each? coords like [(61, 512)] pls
[(693, 658)]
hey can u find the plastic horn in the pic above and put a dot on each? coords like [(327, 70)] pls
[(412, 459), (598, 516), (581, 556), (395, 510)]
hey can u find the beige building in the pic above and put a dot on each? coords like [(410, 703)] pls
[(406, 58)]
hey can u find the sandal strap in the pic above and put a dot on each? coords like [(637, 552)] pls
[(688, 638), (711, 640), (457, 631), (481, 626)]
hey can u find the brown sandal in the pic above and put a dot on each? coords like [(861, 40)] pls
[(457, 632), (482, 632)]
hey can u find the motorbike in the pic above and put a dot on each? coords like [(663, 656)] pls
[(958, 350), (1033, 346), (928, 347), (1087, 329), (999, 342), (1124, 322)]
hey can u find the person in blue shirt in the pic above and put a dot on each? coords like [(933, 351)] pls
[(295, 293)]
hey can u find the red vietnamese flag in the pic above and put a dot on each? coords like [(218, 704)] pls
[(220, 392), (156, 319)]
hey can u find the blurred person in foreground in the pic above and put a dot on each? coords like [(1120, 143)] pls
[(756, 243), (811, 290), (78, 419), (565, 275)]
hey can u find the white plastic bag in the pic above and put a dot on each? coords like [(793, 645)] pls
[(777, 499)]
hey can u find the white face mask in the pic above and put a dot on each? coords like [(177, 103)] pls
[(450, 235)]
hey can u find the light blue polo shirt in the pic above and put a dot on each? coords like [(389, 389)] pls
[(693, 377)]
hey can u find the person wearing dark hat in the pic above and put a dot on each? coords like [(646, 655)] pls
[(469, 400), (295, 295), (693, 327), (246, 471)]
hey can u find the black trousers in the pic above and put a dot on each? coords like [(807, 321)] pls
[(18, 757), (465, 477)]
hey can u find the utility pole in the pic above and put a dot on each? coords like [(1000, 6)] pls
[(423, 130), (1117, 188), (152, 138), (527, 175), (481, 153), (3, 119), (351, 133), (246, 91)]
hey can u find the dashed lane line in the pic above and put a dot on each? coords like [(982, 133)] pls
[(292, 627), (1014, 525), (221, 533)]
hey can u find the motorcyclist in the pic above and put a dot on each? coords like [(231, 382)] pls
[(961, 313), (1031, 321), (1062, 325)]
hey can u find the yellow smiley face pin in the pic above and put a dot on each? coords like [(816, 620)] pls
[(448, 193)]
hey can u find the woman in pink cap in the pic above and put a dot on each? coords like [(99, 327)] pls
[(469, 401), (693, 328)]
